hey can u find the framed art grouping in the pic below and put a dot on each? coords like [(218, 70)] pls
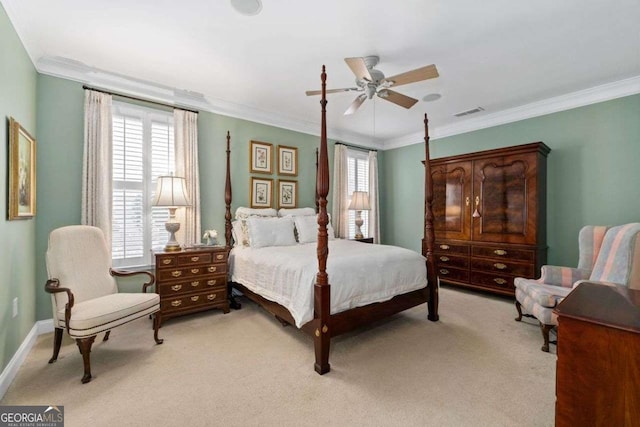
[(287, 160), (287, 194), (22, 172), (260, 157), (261, 192)]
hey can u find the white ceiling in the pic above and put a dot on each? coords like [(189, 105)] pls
[(513, 58)]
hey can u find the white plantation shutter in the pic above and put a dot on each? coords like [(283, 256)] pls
[(358, 180), (143, 149)]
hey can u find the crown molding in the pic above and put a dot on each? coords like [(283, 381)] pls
[(606, 92), (77, 71)]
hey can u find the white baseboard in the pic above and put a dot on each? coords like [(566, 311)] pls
[(9, 373)]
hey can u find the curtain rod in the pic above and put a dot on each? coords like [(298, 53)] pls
[(356, 147), (137, 99)]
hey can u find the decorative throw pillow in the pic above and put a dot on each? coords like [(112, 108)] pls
[(270, 232), (307, 228), (296, 212), (244, 213)]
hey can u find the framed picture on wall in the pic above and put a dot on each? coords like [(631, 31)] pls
[(260, 157), (261, 192), (287, 194), (22, 172), (287, 160)]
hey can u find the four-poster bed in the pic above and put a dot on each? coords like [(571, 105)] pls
[(324, 324)]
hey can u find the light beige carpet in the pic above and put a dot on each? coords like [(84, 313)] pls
[(475, 367)]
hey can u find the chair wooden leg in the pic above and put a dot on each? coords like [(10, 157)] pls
[(84, 345), (519, 308), (156, 326), (545, 334), (57, 342), (106, 336)]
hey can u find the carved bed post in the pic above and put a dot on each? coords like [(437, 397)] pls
[(429, 235), (317, 206), (322, 289), (227, 220)]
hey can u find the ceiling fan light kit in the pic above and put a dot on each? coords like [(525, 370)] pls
[(372, 82), (247, 7)]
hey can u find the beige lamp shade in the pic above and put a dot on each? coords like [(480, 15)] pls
[(171, 191), (359, 201)]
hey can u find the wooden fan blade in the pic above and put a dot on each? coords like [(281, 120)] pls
[(318, 92), (419, 74), (397, 98), (355, 104), (359, 68)]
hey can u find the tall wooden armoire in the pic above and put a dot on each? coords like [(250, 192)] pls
[(490, 216)]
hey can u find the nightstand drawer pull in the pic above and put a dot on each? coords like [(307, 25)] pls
[(444, 247), (195, 298), (211, 282), (176, 303), (499, 281), (196, 283), (444, 271), (444, 258), (195, 270), (166, 261), (211, 297), (220, 256), (500, 266), (176, 288), (212, 269), (176, 273), (195, 258), (500, 252)]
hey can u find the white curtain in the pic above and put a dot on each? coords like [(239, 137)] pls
[(96, 166), (186, 142), (374, 213), (340, 215)]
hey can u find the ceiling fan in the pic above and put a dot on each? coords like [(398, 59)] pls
[(371, 82)]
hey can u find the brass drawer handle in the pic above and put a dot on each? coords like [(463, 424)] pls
[(444, 247), (212, 269), (176, 287), (176, 303), (211, 282), (195, 270), (195, 258), (166, 261), (195, 298), (500, 266), (500, 252), (220, 256), (176, 273), (444, 271), (211, 297), (444, 258), (499, 281), (196, 283)]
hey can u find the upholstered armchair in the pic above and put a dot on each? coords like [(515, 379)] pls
[(84, 292), (609, 256)]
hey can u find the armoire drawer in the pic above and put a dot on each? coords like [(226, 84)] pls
[(503, 267), (451, 248), (447, 273), (446, 261), (503, 252), (493, 280)]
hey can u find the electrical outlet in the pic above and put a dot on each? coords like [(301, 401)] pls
[(15, 306)]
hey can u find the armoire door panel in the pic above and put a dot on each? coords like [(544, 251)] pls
[(452, 200)]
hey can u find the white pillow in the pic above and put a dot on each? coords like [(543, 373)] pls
[(270, 232), (243, 213), (240, 233), (307, 227), (296, 212)]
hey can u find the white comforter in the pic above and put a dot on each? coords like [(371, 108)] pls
[(359, 274)]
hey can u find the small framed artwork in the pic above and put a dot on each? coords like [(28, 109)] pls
[(287, 194), (22, 172), (287, 160), (260, 157), (261, 192)]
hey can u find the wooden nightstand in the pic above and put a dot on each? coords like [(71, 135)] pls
[(191, 280), (364, 240)]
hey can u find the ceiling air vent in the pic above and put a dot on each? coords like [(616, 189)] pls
[(472, 111)]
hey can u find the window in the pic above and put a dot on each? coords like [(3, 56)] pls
[(358, 175), (143, 149)]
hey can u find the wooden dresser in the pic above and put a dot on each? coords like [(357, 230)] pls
[(191, 281), (490, 216), (598, 368)]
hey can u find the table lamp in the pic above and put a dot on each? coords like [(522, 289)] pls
[(359, 203), (171, 193)]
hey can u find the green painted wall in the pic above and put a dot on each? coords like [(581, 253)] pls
[(593, 172), (17, 272), (60, 123)]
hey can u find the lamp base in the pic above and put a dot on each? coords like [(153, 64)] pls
[(359, 222), (172, 245)]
